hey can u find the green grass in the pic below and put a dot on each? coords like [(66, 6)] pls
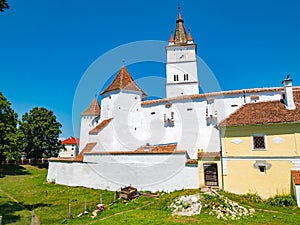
[(23, 188)]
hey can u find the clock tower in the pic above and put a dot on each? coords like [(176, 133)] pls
[(182, 76)]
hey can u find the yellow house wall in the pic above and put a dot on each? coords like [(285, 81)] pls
[(243, 178), (201, 171), (289, 133)]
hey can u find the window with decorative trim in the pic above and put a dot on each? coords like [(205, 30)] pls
[(259, 142)]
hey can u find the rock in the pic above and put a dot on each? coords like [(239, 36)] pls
[(251, 211)]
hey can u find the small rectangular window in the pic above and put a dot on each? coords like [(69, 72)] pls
[(185, 76), (234, 105), (189, 109), (259, 142), (262, 169), (176, 77), (152, 113)]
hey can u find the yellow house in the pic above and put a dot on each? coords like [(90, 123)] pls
[(261, 146), (260, 149)]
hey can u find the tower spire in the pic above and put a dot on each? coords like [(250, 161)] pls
[(179, 15), (189, 37), (171, 40), (180, 32)]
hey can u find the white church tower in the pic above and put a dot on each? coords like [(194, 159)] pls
[(121, 102), (89, 120), (182, 75)]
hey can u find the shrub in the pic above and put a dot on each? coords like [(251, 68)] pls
[(252, 197), (281, 200)]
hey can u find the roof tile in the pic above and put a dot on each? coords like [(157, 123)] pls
[(99, 127), (216, 94), (296, 176), (158, 148), (88, 148), (123, 81), (208, 155), (93, 109), (264, 113), (71, 141)]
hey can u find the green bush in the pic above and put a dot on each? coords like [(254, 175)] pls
[(281, 200), (252, 197)]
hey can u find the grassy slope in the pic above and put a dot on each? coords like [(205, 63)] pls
[(27, 185)]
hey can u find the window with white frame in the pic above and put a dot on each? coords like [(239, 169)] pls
[(259, 142)]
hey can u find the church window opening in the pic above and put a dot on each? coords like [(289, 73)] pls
[(176, 77), (262, 169), (185, 76), (259, 142)]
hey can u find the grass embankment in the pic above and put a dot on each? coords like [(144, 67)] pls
[(23, 188)]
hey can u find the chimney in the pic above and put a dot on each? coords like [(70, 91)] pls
[(288, 93)]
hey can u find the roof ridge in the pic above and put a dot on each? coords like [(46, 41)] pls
[(123, 81)]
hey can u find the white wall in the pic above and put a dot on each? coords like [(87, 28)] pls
[(87, 124), (297, 192), (70, 151), (114, 171)]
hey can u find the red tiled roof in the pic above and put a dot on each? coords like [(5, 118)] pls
[(217, 94), (264, 113), (208, 155), (296, 176), (189, 37), (158, 148), (93, 109), (99, 127), (123, 81), (88, 148), (136, 153), (171, 38), (192, 161), (71, 141)]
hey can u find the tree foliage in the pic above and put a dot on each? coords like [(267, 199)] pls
[(41, 132), (3, 5), (11, 143)]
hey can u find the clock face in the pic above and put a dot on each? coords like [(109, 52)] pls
[(180, 56)]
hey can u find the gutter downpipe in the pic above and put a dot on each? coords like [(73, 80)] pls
[(221, 157)]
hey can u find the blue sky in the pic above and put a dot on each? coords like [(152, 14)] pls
[(46, 46)]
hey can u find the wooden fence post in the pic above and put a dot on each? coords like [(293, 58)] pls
[(32, 217), (69, 210)]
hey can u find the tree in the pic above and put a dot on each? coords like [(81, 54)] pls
[(11, 144), (3, 5), (41, 132)]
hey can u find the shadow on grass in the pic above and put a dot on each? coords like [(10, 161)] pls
[(13, 170), (9, 209)]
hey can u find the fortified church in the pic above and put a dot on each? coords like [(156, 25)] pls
[(156, 144)]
